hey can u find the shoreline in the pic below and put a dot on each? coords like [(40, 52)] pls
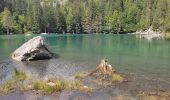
[(124, 91), (132, 89)]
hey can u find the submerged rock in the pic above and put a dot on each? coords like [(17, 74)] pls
[(34, 49)]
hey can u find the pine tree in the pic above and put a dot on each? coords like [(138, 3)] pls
[(7, 20), (69, 20), (89, 16)]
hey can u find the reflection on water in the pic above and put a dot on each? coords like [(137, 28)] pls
[(42, 69), (49, 68), (83, 52), (5, 70)]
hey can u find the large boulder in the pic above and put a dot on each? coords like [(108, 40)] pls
[(34, 49)]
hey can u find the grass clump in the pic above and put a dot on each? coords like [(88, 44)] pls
[(42, 86), (47, 88), (74, 85), (154, 95), (7, 86), (60, 85), (150, 98), (117, 78), (57, 85), (26, 87), (79, 75), (19, 75), (12, 83), (77, 85), (122, 97)]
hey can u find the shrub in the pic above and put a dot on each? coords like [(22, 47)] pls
[(117, 78), (7, 86), (43, 86), (19, 75)]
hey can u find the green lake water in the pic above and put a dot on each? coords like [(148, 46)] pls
[(77, 53)]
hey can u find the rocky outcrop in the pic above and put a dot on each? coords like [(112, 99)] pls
[(34, 49), (149, 34)]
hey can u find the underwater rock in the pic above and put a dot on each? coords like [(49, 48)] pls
[(34, 49)]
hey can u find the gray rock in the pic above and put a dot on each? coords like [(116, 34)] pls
[(149, 34), (34, 49)]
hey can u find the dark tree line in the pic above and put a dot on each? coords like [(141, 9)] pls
[(83, 16)]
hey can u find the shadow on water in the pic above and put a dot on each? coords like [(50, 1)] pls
[(5, 71), (56, 55), (41, 69), (37, 68)]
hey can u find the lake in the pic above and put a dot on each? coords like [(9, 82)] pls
[(78, 53)]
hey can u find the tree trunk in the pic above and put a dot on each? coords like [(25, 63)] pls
[(45, 30), (7, 31)]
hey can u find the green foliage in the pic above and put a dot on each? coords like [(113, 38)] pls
[(7, 86), (7, 20), (84, 16), (46, 88), (42, 86), (11, 84), (130, 16), (29, 32), (117, 78), (19, 75), (57, 85), (80, 75), (1, 28), (113, 21)]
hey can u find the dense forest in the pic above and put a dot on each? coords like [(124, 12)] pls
[(83, 16)]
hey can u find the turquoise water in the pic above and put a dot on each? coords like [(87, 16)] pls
[(126, 53)]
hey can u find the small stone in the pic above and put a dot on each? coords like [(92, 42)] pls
[(85, 87), (29, 86), (51, 84)]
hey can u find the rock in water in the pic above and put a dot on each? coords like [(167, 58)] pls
[(103, 68), (34, 49)]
